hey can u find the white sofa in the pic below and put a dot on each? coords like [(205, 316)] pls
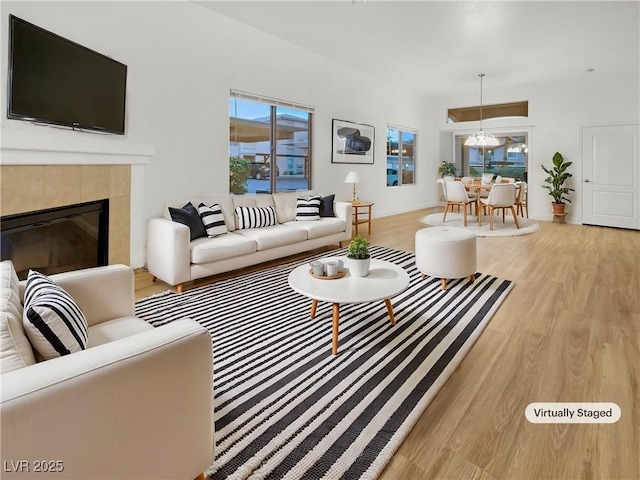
[(173, 258), (136, 404)]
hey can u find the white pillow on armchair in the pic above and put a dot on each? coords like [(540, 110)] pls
[(15, 349)]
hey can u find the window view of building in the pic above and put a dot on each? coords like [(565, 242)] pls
[(269, 146), (509, 159), (400, 157)]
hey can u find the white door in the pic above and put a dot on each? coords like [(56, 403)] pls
[(611, 176)]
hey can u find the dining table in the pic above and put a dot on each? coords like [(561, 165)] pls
[(477, 186)]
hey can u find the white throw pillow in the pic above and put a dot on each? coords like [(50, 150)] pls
[(52, 319), (15, 349)]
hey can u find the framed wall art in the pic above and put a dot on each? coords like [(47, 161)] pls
[(352, 142)]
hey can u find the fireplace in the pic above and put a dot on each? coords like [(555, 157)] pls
[(57, 239)]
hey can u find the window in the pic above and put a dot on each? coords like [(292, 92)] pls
[(269, 145), (508, 159), (400, 157), (500, 110)]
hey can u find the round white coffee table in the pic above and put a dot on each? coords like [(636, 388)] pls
[(384, 281)]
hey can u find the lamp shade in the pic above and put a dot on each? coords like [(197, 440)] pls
[(352, 177)]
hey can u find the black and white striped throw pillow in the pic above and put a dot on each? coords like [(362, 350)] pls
[(52, 319), (255, 217), (213, 220), (308, 208)]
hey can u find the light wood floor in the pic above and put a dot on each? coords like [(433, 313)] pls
[(568, 332)]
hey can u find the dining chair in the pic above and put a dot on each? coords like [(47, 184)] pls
[(442, 195), (521, 199), (501, 196), (487, 177), (442, 192), (457, 195), (448, 178), (468, 180)]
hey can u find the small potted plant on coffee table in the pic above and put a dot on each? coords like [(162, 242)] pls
[(358, 256)]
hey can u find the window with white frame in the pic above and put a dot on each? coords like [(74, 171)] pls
[(509, 158), (269, 144), (401, 145)]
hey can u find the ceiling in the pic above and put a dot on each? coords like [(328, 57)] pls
[(439, 47)]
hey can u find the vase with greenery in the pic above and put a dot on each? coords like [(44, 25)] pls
[(447, 168), (358, 256), (557, 176)]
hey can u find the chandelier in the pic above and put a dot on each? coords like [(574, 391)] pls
[(481, 139)]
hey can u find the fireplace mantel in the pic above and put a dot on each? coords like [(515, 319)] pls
[(44, 168), (27, 147)]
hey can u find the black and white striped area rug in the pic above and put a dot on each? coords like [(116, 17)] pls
[(285, 407)]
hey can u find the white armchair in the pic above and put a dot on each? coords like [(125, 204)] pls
[(136, 404)]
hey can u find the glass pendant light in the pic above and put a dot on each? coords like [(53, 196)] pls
[(481, 139)]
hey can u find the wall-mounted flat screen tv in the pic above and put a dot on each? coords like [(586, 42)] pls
[(56, 81)]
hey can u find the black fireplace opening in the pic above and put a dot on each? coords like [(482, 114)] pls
[(57, 239)]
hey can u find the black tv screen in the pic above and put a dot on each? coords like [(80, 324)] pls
[(54, 80)]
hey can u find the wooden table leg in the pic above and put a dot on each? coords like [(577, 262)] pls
[(336, 316), (314, 304), (369, 221), (387, 301)]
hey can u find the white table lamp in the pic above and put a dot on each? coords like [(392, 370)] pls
[(353, 177)]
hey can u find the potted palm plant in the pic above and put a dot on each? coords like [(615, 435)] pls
[(555, 180), (358, 256)]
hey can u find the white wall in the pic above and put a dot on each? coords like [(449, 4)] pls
[(182, 61), (557, 114)]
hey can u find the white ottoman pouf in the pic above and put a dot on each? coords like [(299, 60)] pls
[(446, 252)]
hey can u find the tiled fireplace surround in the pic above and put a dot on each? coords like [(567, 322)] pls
[(41, 170)]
